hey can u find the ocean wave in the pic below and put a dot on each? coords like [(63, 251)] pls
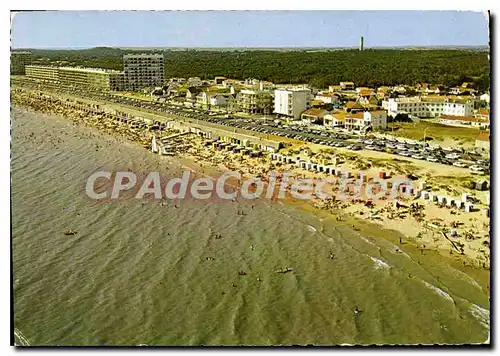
[(366, 240), (380, 264), (481, 314), (439, 291)]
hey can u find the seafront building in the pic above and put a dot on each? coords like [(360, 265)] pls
[(483, 141), (431, 106), (78, 77), (292, 102), (145, 70), (255, 101), (335, 119), (116, 80), (356, 121), (313, 116), (94, 78), (464, 121), (376, 119), (43, 73), (18, 62)]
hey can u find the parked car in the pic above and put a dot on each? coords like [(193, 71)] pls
[(459, 164), (477, 169), (417, 156), (432, 159), (452, 156), (404, 153)]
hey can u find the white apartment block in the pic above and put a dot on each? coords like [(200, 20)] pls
[(429, 107), (143, 71), (291, 102)]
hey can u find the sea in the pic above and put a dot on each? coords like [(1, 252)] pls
[(189, 273)]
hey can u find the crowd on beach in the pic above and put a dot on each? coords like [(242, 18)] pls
[(430, 225)]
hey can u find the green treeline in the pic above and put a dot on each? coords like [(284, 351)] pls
[(372, 67)]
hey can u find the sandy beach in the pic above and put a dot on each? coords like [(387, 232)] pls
[(463, 235), (159, 273)]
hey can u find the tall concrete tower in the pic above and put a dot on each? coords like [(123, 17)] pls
[(361, 39)]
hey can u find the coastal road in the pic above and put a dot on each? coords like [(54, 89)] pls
[(256, 128)]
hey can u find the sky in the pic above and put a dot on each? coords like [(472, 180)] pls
[(85, 29)]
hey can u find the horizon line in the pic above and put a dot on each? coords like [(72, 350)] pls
[(254, 47)]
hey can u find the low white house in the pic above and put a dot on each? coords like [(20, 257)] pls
[(312, 116), (334, 120), (191, 93), (207, 99), (377, 119), (485, 97), (467, 121), (218, 100), (194, 82), (483, 140), (347, 86), (327, 98)]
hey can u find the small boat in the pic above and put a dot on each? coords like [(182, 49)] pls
[(284, 270), (241, 273), (69, 233)]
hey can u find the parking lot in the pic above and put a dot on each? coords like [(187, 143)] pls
[(398, 147)]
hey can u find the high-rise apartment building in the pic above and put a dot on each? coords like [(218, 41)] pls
[(18, 62), (145, 70), (291, 102)]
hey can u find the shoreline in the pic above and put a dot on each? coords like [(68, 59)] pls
[(385, 227)]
